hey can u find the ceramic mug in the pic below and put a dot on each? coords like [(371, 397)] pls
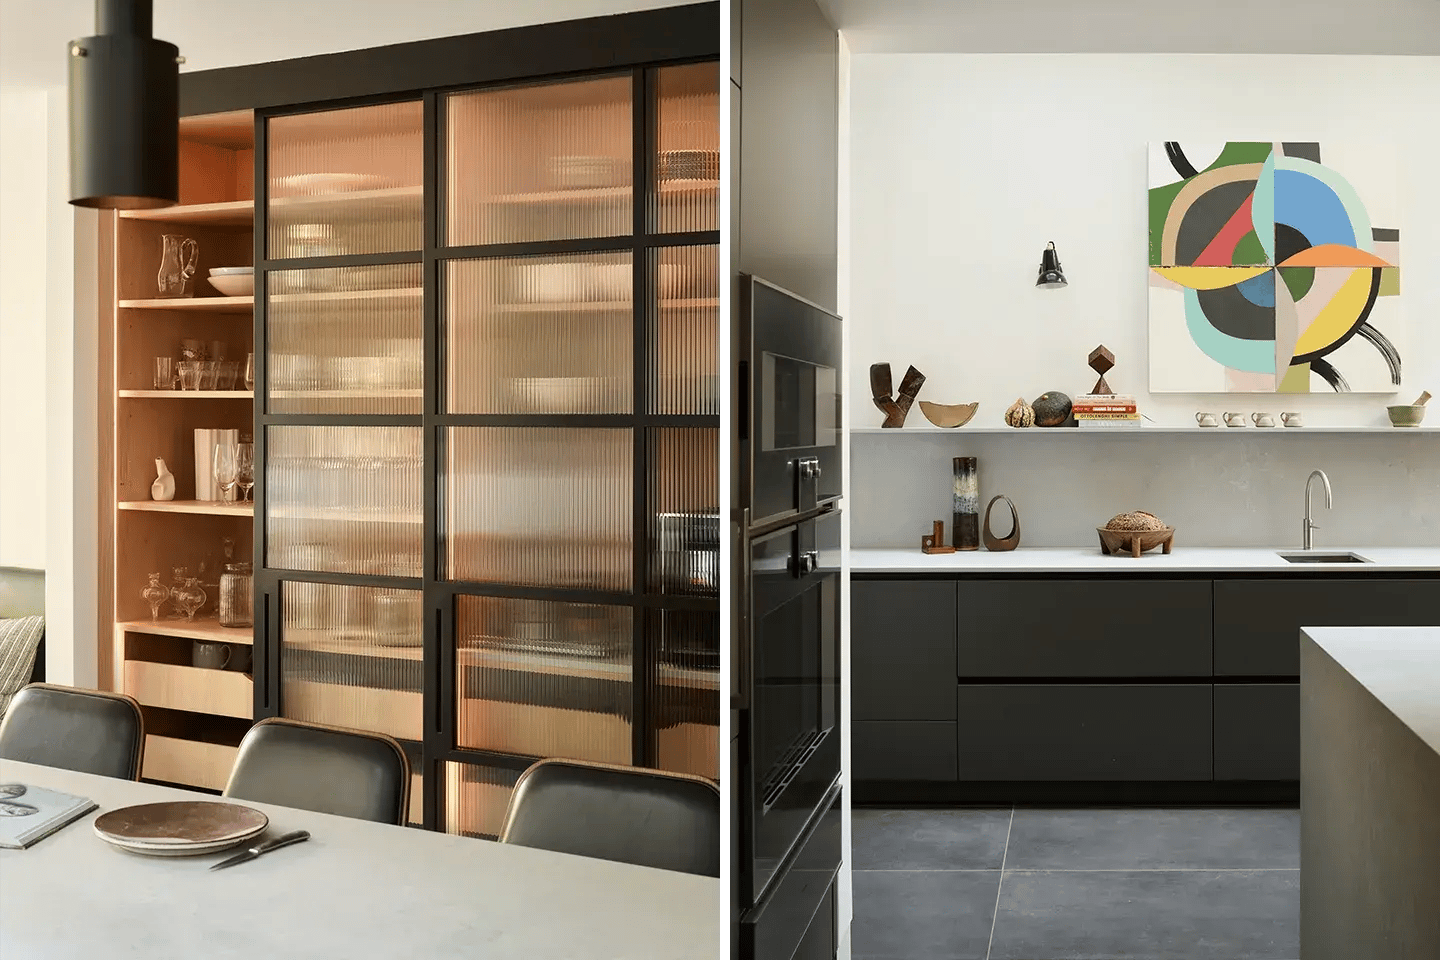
[(1292, 420), (1206, 420), (210, 656), (1234, 419), (1263, 419)]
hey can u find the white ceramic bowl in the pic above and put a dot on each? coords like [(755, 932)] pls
[(231, 271), (234, 285)]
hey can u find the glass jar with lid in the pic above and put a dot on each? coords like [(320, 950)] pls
[(237, 596)]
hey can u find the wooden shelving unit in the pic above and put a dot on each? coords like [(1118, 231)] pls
[(194, 717)]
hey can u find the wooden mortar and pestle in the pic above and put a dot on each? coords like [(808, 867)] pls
[(1409, 415)]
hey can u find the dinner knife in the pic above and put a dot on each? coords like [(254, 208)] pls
[(284, 840)]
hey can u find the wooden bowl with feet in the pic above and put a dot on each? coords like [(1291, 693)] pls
[(1134, 542)]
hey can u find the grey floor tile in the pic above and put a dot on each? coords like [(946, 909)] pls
[(1155, 915), (1169, 839), (960, 839), (910, 915)]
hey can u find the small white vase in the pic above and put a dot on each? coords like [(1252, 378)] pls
[(164, 486)]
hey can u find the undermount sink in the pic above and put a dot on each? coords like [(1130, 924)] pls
[(1310, 556)]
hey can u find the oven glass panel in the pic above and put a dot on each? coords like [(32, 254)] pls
[(799, 402)]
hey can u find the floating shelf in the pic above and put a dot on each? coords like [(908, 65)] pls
[(235, 213), (227, 509), (1133, 432), (187, 394), (202, 628), (196, 304)]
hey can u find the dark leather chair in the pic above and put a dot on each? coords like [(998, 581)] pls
[(91, 731), (309, 766), (632, 815)]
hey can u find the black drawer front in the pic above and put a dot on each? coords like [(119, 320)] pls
[(902, 642), (1084, 628), (775, 928), (1257, 622), (904, 749), (1257, 731), (1085, 732)]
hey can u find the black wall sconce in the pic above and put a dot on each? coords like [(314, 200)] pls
[(1051, 276), (124, 112)]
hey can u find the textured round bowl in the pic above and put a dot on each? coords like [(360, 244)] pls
[(241, 285), (231, 271), (1406, 415), (1134, 542)]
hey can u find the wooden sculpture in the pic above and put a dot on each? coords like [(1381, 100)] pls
[(1102, 361), (934, 542), (896, 408)]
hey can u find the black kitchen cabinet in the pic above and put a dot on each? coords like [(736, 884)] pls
[(1257, 731), (902, 641), (1084, 628), (920, 750), (1077, 732), (1257, 622)]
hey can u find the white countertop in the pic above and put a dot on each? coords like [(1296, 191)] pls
[(1183, 560), (355, 890), (1399, 666)]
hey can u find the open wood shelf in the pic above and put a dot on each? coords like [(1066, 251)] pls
[(186, 394), (201, 628), (210, 507), (195, 304), (233, 213)]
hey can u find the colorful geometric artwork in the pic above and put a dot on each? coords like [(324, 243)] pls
[(1268, 271)]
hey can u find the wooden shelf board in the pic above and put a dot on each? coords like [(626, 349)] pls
[(234, 213), (227, 509), (377, 394), (196, 304), (204, 628), (930, 431), (340, 515), (606, 306), (342, 296), (590, 194), (187, 394), (362, 202)]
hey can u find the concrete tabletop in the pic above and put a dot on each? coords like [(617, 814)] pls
[(1089, 559), (354, 890), (1399, 666)]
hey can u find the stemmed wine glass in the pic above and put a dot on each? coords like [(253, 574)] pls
[(225, 469), (245, 468)]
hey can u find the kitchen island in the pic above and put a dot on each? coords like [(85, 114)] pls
[(1370, 793)]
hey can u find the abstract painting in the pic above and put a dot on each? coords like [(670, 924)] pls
[(1274, 268)]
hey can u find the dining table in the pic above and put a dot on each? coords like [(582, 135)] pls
[(355, 889)]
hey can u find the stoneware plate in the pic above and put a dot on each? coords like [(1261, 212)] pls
[(183, 828)]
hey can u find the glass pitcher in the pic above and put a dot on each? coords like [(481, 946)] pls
[(177, 265)]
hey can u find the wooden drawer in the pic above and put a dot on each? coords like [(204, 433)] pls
[(1257, 622), (193, 763), (225, 693), (1085, 732), (398, 713), (1257, 731), (902, 650), (903, 750), (1084, 628)]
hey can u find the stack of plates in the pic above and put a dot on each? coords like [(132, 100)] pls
[(185, 828)]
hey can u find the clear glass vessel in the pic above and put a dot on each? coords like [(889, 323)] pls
[(237, 596)]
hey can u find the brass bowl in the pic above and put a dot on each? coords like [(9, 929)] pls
[(948, 414)]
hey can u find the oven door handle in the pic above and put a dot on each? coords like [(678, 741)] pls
[(740, 691)]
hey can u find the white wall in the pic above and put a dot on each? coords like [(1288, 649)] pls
[(844, 890), (23, 273), (964, 166)]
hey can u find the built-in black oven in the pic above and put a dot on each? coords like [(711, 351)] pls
[(790, 391), (789, 688)]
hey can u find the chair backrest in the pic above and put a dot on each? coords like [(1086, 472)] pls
[(665, 820), (91, 731), (309, 766)]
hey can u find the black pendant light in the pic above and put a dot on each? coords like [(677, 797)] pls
[(124, 112), (1051, 276)]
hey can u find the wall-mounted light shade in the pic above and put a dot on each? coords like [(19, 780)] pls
[(124, 112), (1051, 275)]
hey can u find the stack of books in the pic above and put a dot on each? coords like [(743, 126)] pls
[(1106, 411)]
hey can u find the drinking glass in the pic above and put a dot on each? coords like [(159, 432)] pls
[(249, 371), (245, 468), (208, 370), (190, 374), (164, 373), (225, 469), (225, 377)]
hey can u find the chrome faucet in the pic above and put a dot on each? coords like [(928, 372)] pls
[(1329, 502)]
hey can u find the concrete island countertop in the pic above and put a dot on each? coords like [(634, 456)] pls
[(1398, 666), (1184, 559)]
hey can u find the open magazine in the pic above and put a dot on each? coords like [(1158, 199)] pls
[(29, 814)]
